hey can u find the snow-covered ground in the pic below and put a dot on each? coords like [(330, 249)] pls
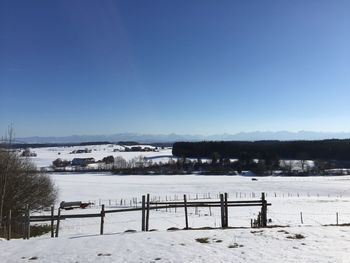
[(46, 155), (318, 198), (320, 245)]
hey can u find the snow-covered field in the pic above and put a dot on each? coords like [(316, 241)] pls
[(319, 199), (46, 155)]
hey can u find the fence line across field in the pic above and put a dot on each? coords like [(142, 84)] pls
[(146, 206), (177, 203), (134, 201)]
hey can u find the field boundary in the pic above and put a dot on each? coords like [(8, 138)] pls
[(22, 224)]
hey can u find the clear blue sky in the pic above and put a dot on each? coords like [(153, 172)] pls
[(189, 67)]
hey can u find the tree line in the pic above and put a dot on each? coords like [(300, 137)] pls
[(293, 150)]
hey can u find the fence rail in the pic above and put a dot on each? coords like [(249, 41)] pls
[(145, 208)]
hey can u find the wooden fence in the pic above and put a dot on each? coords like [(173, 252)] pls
[(146, 206)]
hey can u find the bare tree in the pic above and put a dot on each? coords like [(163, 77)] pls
[(120, 162), (22, 184), (4, 174), (287, 166), (137, 162), (26, 186)]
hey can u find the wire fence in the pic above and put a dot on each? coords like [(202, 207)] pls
[(136, 201), (320, 210)]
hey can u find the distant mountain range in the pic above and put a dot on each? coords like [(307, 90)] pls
[(152, 138)]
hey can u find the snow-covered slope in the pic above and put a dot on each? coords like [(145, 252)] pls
[(320, 245), (318, 198)]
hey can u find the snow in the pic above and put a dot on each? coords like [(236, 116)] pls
[(232, 245), (46, 155), (318, 198), (93, 186)]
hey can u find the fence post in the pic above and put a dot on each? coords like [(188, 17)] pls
[(143, 213), (52, 221), (186, 215), (58, 221), (259, 220), (147, 214), (9, 226), (27, 232), (166, 199), (263, 210), (222, 210), (301, 218), (226, 210), (23, 223), (337, 216), (102, 219)]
